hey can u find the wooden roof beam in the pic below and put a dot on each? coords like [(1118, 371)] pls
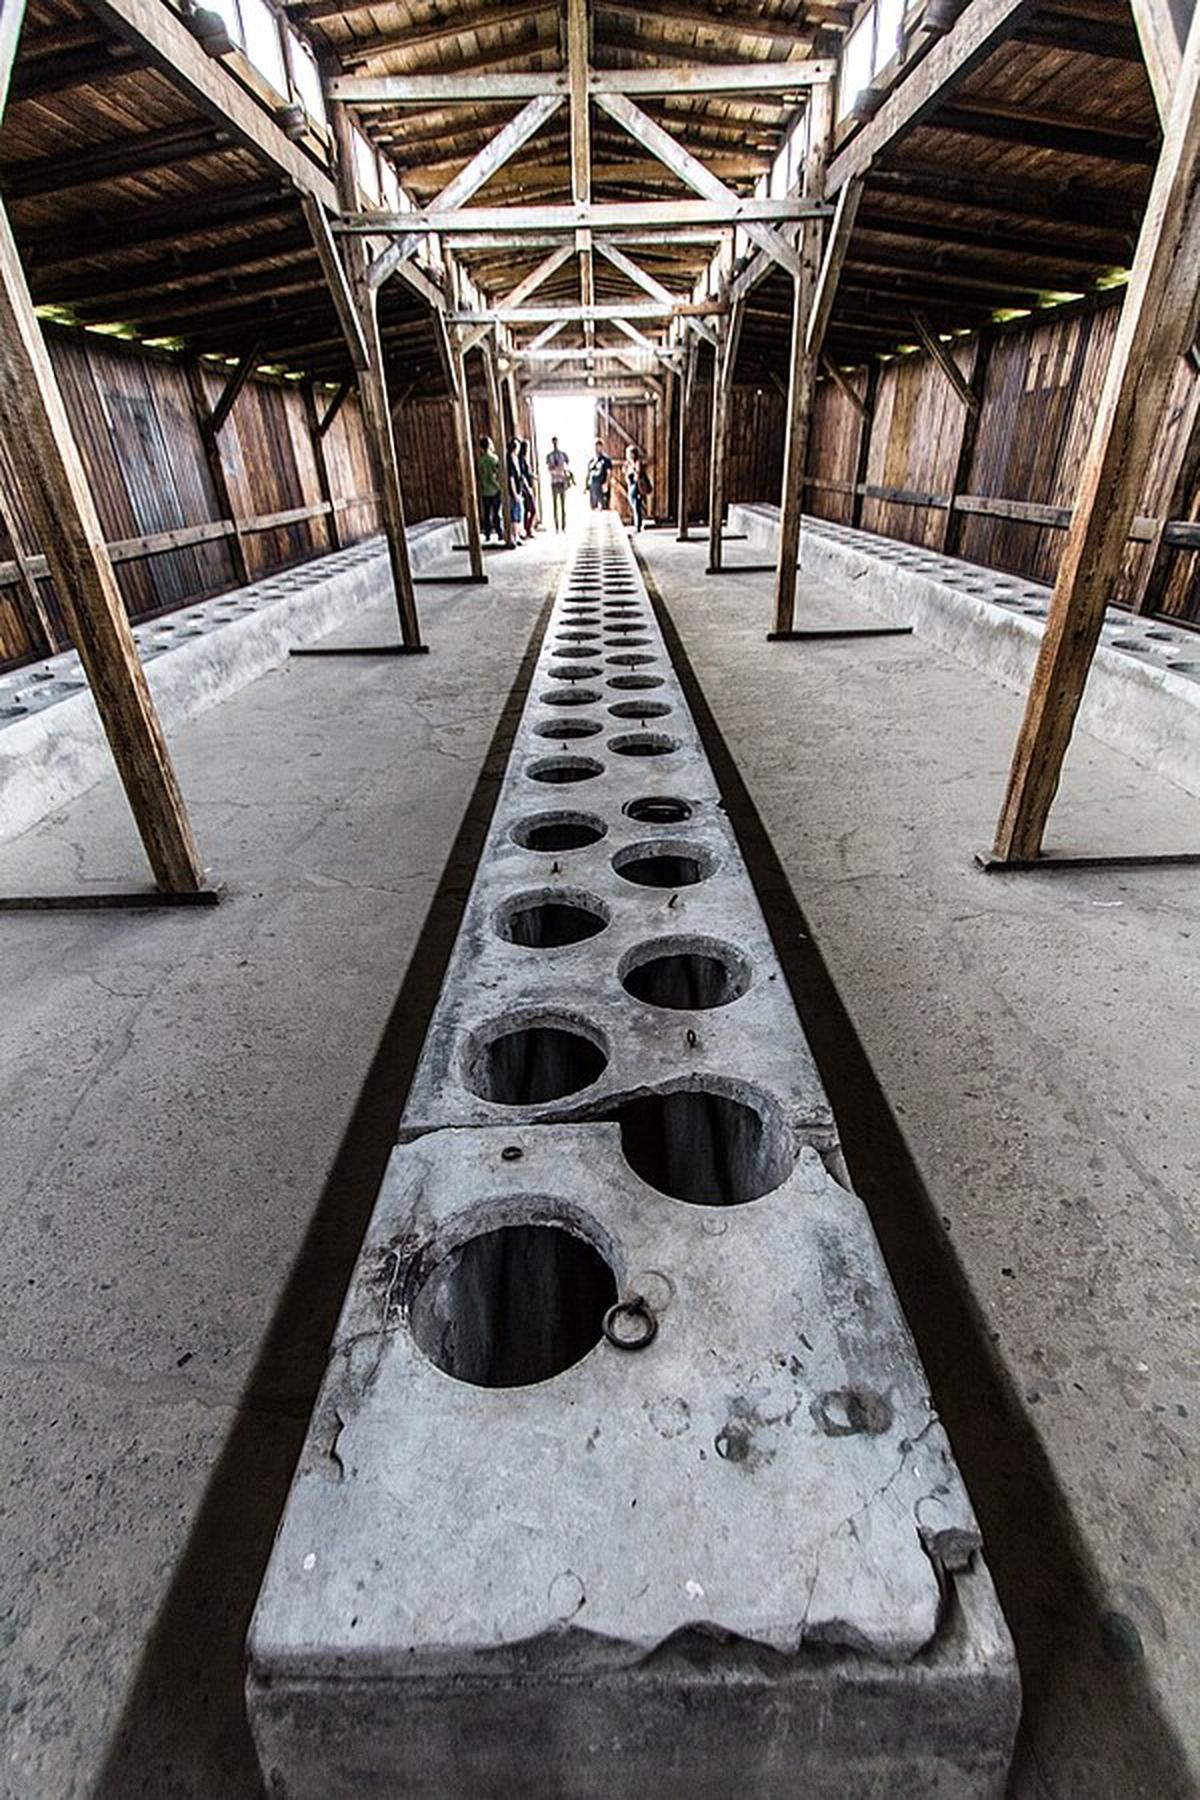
[(12, 17), (599, 216), (153, 31), (980, 28), (465, 88), (692, 172), (1086, 138), (495, 153), (1161, 28), (109, 162)]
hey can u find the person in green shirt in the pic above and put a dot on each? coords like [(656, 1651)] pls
[(487, 475)]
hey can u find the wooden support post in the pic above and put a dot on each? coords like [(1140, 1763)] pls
[(321, 464), (1177, 503), (952, 537), (813, 289), (686, 389), (42, 448), (217, 472), (460, 410), (372, 388), (1157, 319), (34, 611), (863, 460), (664, 476), (724, 364), (496, 430)]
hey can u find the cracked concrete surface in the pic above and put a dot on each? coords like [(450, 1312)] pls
[(1037, 1043), (192, 1103)]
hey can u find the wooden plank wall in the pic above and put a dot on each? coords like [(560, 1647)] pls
[(1043, 382), (141, 445), (753, 449)]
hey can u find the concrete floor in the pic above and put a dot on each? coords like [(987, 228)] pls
[(1013, 1061), (198, 1107)]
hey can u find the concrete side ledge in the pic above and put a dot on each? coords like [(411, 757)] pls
[(52, 745), (1143, 693)]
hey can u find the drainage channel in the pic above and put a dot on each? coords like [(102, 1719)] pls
[(624, 1441)]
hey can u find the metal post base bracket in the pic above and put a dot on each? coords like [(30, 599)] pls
[(1057, 865), (450, 580), (834, 634), (136, 897), (359, 650)]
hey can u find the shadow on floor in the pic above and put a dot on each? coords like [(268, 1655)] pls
[(183, 1731), (1090, 1723)]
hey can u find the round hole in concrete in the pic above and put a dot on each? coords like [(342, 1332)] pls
[(583, 636), (630, 661), (658, 809), (555, 831), (711, 1144), (641, 709), (685, 974), (568, 728), (1184, 668), (573, 671), (640, 682), (548, 918), (644, 743), (515, 1305), (561, 769), (570, 696), (664, 864), (527, 1062)]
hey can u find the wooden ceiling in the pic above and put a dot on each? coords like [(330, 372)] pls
[(134, 207)]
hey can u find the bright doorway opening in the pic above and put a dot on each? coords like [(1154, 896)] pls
[(571, 418)]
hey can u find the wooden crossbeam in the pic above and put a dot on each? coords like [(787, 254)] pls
[(617, 215), (596, 314), (468, 89), (981, 27), (691, 171), (1156, 328), (483, 165)]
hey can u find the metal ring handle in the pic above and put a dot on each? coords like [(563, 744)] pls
[(635, 1308)]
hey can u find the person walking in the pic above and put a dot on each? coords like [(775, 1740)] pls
[(637, 485), (558, 463), (599, 477), (487, 476)]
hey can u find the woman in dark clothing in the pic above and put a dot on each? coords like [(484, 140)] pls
[(512, 474), (528, 492), (637, 485)]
